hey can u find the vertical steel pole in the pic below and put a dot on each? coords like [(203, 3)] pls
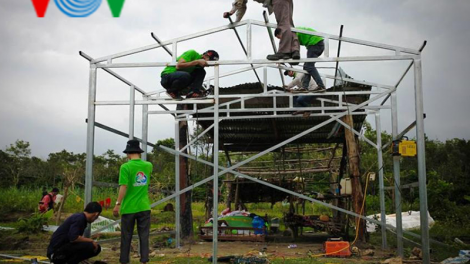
[(326, 52), (423, 196), (396, 176), (145, 127), (378, 126), (175, 51), (177, 185), (131, 112), (248, 40), (90, 144), (265, 79), (215, 229)]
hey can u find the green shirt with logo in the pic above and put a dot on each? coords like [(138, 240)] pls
[(188, 56), (307, 40), (135, 174)]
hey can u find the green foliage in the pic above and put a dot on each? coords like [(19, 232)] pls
[(33, 224), (448, 174), (19, 200)]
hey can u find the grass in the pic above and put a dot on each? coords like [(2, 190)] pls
[(442, 232), (23, 202)]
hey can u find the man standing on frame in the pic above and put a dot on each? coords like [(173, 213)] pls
[(133, 202), (315, 48), (283, 10)]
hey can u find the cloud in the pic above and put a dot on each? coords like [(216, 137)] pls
[(44, 82)]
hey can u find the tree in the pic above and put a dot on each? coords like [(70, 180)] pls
[(19, 154)]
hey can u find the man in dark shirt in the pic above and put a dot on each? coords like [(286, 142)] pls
[(68, 244)]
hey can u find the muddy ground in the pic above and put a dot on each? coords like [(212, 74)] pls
[(278, 249)]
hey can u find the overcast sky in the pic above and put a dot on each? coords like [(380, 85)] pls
[(44, 82)]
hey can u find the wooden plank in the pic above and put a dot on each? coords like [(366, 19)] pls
[(355, 175)]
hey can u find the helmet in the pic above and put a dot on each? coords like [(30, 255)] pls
[(213, 55)]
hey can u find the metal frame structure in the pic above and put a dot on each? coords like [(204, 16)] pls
[(223, 112)]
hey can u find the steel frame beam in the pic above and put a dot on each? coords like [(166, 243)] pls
[(172, 196), (410, 54), (261, 61)]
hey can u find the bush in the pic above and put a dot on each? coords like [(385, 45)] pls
[(33, 224)]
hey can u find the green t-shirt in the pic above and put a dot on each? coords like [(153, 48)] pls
[(135, 174), (188, 56), (308, 40)]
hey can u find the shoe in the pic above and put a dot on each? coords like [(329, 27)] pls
[(319, 89), (194, 95), (298, 113), (297, 90), (296, 55), (278, 56), (306, 114), (174, 95)]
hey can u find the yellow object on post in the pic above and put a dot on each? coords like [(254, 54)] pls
[(407, 148)]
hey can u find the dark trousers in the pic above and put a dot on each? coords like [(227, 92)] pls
[(127, 231), (73, 253), (303, 101), (313, 51), (177, 81), (283, 11)]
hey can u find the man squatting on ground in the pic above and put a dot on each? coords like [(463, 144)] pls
[(133, 201), (283, 10), (47, 201), (68, 245), (189, 72)]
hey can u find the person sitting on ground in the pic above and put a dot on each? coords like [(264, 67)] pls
[(315, 48), (296, 84), (47, 201), (68, 245), (188, 72), (283, 10)]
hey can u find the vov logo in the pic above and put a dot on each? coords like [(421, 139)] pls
[(78, 8)]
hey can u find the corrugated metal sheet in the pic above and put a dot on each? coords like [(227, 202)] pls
[(259, 134)]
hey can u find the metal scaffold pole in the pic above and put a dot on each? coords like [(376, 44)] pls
[(396, 176), (90, 140), (145, 125), (215, 211), (423, 196), (131, 112), (378, 126), (177, 186)]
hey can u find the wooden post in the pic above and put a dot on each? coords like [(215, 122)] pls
[(354, 173), (186, 215)]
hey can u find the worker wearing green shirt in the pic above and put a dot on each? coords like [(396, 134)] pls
[(315, 48), (188, 72), (133, 201)]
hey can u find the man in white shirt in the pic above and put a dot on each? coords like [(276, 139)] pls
[(296, 84)]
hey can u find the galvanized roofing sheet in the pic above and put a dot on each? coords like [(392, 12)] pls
[(258, 134)]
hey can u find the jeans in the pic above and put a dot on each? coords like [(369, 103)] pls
[(74, 253), (303, 101), (177, 81), (313, 51), (127, 231)]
